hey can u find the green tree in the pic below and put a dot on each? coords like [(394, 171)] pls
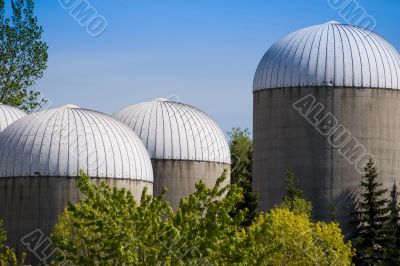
[(294, 199), (207, 227), (297, 241), (394, 227), (23, 55), (241, 147), (109, 228), (371, 237), (7, 255)]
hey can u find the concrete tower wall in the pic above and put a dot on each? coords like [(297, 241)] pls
[(284, 139), (180, 177), (32, 203)]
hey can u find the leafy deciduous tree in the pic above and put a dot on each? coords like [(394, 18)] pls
[(299, 241), (241, 147), (7, 255), (109, 228), (23, 55)]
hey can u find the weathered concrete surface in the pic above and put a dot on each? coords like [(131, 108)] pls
[(284, 139), (31, 203), (180, 177)]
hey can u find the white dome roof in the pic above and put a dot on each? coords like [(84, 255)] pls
[(60, 142), (330, 54), (172, 130), (8, 115)]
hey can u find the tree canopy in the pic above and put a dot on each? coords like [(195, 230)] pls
[(7, 255), (294, 199), (23, 55), (241, 147), (109, 228)]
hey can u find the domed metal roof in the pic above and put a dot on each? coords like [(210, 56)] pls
[(330, 54), (8, 115), (172, 130), (62, 141)]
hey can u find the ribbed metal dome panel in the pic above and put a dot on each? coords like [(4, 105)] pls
[(172, 130), (330, 54), (60, 142), (8, 115)]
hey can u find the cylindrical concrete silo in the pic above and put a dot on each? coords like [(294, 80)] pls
[(326, 99), (8, 115), (184, 143), (40, 159)]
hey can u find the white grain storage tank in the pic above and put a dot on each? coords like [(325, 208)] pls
[(184, 143), (8, 115), (326, 99), (41, 156)]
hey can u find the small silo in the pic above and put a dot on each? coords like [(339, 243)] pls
[(326, 99), (184, 143), (41, 156), (8, 115)]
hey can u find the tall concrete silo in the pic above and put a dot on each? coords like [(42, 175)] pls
[(8, 115), (184, 143), (40, 158), (326, 99)]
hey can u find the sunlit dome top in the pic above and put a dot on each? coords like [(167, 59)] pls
[(330, 54), (8, 115), (69, 105), (173, 130), (62, 141)]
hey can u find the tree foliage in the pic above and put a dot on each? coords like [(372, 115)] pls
[(23, 55), (294, 199), (372, 235), (394, 227), (7, 255), (241, 147), (300, 241), (109, 228)]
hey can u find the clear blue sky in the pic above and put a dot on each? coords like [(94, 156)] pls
[(205, 52)]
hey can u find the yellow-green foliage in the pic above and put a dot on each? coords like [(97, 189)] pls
[(302, 242), (294, 200), (7, 255), (330, 239), (296, 205), (109, 228)]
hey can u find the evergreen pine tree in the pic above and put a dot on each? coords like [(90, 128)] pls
[(292, 186), (372, 239), (394, 227), (332, 213), (294, 199)]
